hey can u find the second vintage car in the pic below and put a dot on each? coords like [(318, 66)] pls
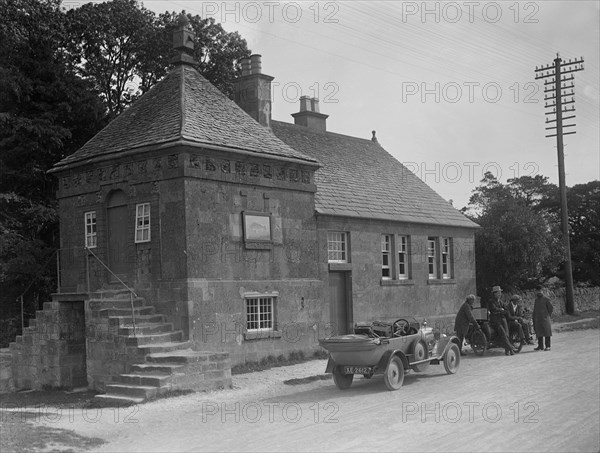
[(389, 347)]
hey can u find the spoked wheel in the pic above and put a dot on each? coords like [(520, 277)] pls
[(478, 342), (342, 381), (394, 374), (420, 353), (452, 359), (515, 341)]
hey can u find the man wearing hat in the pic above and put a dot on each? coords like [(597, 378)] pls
[(542, 310), (464, 318), (514, 315), (498, 320)]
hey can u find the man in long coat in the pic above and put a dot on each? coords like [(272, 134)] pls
[(463, 319), (542, 310)]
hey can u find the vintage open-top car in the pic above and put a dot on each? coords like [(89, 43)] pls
[(389, 347)]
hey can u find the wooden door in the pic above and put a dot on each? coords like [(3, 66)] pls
[(117, 233), (339, 302)]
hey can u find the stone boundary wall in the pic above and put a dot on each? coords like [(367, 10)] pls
[(585, 299), (6, 378)]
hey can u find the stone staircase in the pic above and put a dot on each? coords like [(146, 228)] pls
[(162, 361)]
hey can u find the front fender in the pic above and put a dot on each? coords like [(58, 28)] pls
[(447, 342)]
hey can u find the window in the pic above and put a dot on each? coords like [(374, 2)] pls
[(403, 257), (90, 229), (431, 257), (386, 268), (446, 258), (142, 222), (337, 247), (260, 313)]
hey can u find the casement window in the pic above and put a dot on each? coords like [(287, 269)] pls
[(337, 247), (142, 222), (386, 250), (403, 258), (260, 313), (90, 229), (432, 253), (446, 257)]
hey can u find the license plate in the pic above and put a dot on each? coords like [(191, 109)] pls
[(357, 370)]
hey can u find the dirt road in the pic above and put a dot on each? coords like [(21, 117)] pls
[(534, 402)]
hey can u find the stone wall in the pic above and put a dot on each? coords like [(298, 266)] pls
[(585, 299), (51, 351), (419, 296), (6, 378)]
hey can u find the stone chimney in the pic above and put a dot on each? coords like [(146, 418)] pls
[(309, 115), (252, 91)]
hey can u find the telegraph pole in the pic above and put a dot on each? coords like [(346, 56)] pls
[(561, 79)]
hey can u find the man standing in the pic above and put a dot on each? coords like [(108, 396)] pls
[(463, 319), (498, 320), (514, 314), (542, 310)]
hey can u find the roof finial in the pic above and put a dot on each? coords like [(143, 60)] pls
[(183, 41), (374, 139)]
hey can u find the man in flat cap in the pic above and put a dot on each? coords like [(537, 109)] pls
[(514, 315)]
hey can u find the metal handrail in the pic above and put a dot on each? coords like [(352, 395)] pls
[(20, 298), (131, 291)]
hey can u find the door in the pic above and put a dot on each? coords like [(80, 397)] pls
[(117, 233), (339, 302)]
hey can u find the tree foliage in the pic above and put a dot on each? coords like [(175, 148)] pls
[(63, 75), (520, 242), (124, 49), (46, 113)]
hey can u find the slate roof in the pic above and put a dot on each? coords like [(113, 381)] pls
[(359, 178), (182, 106)]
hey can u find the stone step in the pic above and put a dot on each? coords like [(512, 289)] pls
[(136, 391), (157, 368), (118, 292), (186, 356), (163, 347), (155, 338), (99, 304), (126, 321), (146, 328), (137, 311), (144, 379), (116, 400)]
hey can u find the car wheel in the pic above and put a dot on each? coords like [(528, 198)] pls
[(394, 374), (420, 353), (478, 342), (342, 381), (452, 359)]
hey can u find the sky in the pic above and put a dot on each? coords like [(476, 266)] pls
[(449, 87)]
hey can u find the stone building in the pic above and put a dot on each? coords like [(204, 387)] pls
[(195, 223)]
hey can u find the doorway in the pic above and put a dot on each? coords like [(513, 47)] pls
[(116, 213), (340, 309)]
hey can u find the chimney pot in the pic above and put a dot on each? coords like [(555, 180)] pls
[(256, 66), (305, 104), (315, 104), (246, 65)]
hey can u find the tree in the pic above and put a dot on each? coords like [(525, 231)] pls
[(515, 246), (124, 49), (46, 113)]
